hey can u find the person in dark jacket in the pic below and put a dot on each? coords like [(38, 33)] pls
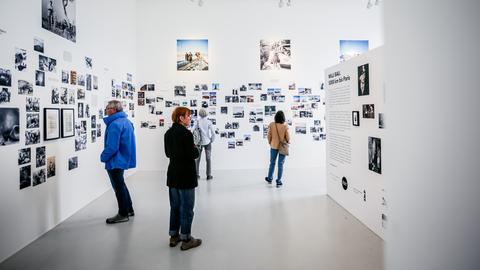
[(119, 155), (181, 179)]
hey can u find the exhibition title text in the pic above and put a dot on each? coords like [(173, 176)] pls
[(336, 77)]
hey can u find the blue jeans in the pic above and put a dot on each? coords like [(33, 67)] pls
[(121, 191), (181, 211), (281, 159)]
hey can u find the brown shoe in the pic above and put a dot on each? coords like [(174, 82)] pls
[(192, 243), (174, 240)]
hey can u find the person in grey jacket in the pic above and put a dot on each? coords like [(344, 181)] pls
[(207, 138)]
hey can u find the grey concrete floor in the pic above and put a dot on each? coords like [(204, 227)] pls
[(244, 224)]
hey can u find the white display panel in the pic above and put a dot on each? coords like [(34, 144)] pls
[(355, 172)]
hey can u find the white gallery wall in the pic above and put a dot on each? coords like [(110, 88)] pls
[(355, 172), (106, 33), (432, 98), (234, 30)]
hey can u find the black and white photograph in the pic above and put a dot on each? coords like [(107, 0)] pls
[(129, 77), (51, 168), (59, 17), (80, 142), (5, 95), (381, 120), (94, 136), (32, 104), (68, 120), (363, 80), (87, 110), (25, 176), (180, 90), (20, 59), (51, 123), (80, 94), (89, 83), (374, 155), (88, 62), (215, 86), (33, 120), (81, 79), (141, 94), (32, 136), (95, 82), (24, 156), (270, 110), (39, 78), (55, 95), (41, 157), (5, 77), (224, 110), (255, 86), (65, 76), (63, 95), (275, 54), (71, 96), (9, 126), (38, 45), (72, 163), (47, 64), (301, 128), (263, 97), (151, 87), (368, 111), (238, 112), (25, 87), (356, 118), (231, 144), (39, 177), (80, 112)]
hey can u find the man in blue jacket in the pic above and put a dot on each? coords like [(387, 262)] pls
[(119, 155)]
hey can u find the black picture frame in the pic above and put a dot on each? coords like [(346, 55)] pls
[(51, 124), (356, 118), (68, 122)]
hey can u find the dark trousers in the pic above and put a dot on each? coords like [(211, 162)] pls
[(121, 191), (182, 202)]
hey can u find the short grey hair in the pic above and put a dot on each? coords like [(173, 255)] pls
[(202, 113), (115, 104)]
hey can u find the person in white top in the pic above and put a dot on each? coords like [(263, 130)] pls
[(207, 138)]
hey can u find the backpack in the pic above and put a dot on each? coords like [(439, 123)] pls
[(197, 135)]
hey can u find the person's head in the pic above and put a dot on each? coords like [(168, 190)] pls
[(181, 115), (202, 113), (113, 106), (280, 117)]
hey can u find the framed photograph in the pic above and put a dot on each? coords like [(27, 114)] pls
[(368, 111), (68, 122), (51, 123), (356, 118), (363, 80), (374, 155)]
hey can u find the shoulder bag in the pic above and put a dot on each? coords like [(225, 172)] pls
[(282, 146)]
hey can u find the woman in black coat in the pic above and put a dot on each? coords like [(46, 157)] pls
[(181, 179)]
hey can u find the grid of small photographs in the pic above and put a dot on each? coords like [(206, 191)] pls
[(237, 114)]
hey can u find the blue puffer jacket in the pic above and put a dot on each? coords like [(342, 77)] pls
[(120, 150)]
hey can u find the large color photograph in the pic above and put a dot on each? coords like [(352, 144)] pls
[(352, 48), (192, 54), (275, 54)]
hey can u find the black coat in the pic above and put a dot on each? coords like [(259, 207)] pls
[(181, 151)]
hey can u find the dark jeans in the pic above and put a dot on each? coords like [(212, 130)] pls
[(121, 191), (281, 159), (181, 211)]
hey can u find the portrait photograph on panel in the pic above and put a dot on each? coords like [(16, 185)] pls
[(275, 54), (363, 80), (9, 126), (192, 54), (368, 111), (374, 155), (25, 176), (59, 17)]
